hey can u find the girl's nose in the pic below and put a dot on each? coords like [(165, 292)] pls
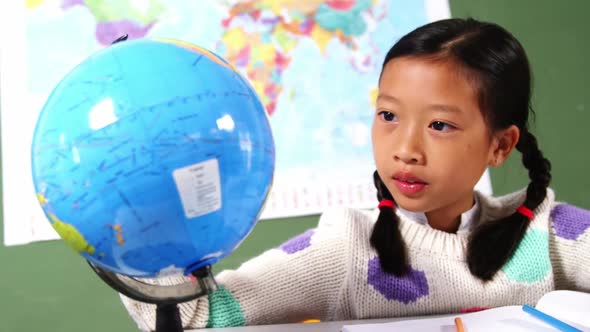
[(408, 148), (409, 157)]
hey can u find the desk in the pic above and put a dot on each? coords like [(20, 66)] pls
[(312, 327)]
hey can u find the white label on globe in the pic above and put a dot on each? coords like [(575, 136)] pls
[(199, 188)]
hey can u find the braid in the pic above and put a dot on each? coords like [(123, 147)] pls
[(539, 170), (493, 243), (386, 237)]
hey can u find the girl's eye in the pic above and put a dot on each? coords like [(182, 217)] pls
[(387, 116), (441, 126)]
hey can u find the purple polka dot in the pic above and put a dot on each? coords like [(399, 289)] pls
[(570, 221), (405, 289), (297, 243)]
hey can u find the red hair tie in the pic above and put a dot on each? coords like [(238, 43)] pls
[(386, 203), (525, 211)]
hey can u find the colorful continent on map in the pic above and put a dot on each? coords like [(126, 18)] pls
[(115, 18), (264, 53), (71, 236)]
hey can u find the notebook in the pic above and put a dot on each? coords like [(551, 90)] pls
[(570, 307)]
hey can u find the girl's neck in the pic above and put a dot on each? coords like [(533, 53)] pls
[(448, 218), (449, 224)]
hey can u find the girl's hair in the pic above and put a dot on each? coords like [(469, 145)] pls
[(496, 64)]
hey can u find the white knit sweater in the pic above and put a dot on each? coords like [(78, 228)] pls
[(332, 273)]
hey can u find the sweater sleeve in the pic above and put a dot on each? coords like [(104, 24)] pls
[(301, 279), (570, 247)]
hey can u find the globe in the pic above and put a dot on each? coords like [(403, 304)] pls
[(153, 157)]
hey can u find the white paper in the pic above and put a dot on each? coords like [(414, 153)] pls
[(570, 306), (199, 188)]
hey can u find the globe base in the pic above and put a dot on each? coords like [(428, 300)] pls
[(168, 318), (166, 298)]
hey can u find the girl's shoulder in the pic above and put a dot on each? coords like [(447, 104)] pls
[(497, 207), (568, 221), (351, 224), (341, 218)]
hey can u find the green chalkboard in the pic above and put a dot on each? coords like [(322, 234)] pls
[(47, 287)]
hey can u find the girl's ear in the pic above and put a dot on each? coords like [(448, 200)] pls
[(503, 142)]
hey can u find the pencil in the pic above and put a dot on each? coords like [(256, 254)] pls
[(562, 326), (459, 324)]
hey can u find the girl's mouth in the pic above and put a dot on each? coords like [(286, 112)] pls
[(409, 184)]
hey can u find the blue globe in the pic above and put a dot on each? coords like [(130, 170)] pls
[(153, 157)]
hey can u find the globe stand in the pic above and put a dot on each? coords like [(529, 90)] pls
[(166, 298)]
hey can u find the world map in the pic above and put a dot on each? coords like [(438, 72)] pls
[(258, 36), (314, 63)]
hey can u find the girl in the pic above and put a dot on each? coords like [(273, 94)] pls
[(454, 98)]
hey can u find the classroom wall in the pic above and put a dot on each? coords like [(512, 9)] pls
[(47, 287)]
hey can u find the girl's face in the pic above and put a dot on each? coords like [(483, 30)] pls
[(430, 141)]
